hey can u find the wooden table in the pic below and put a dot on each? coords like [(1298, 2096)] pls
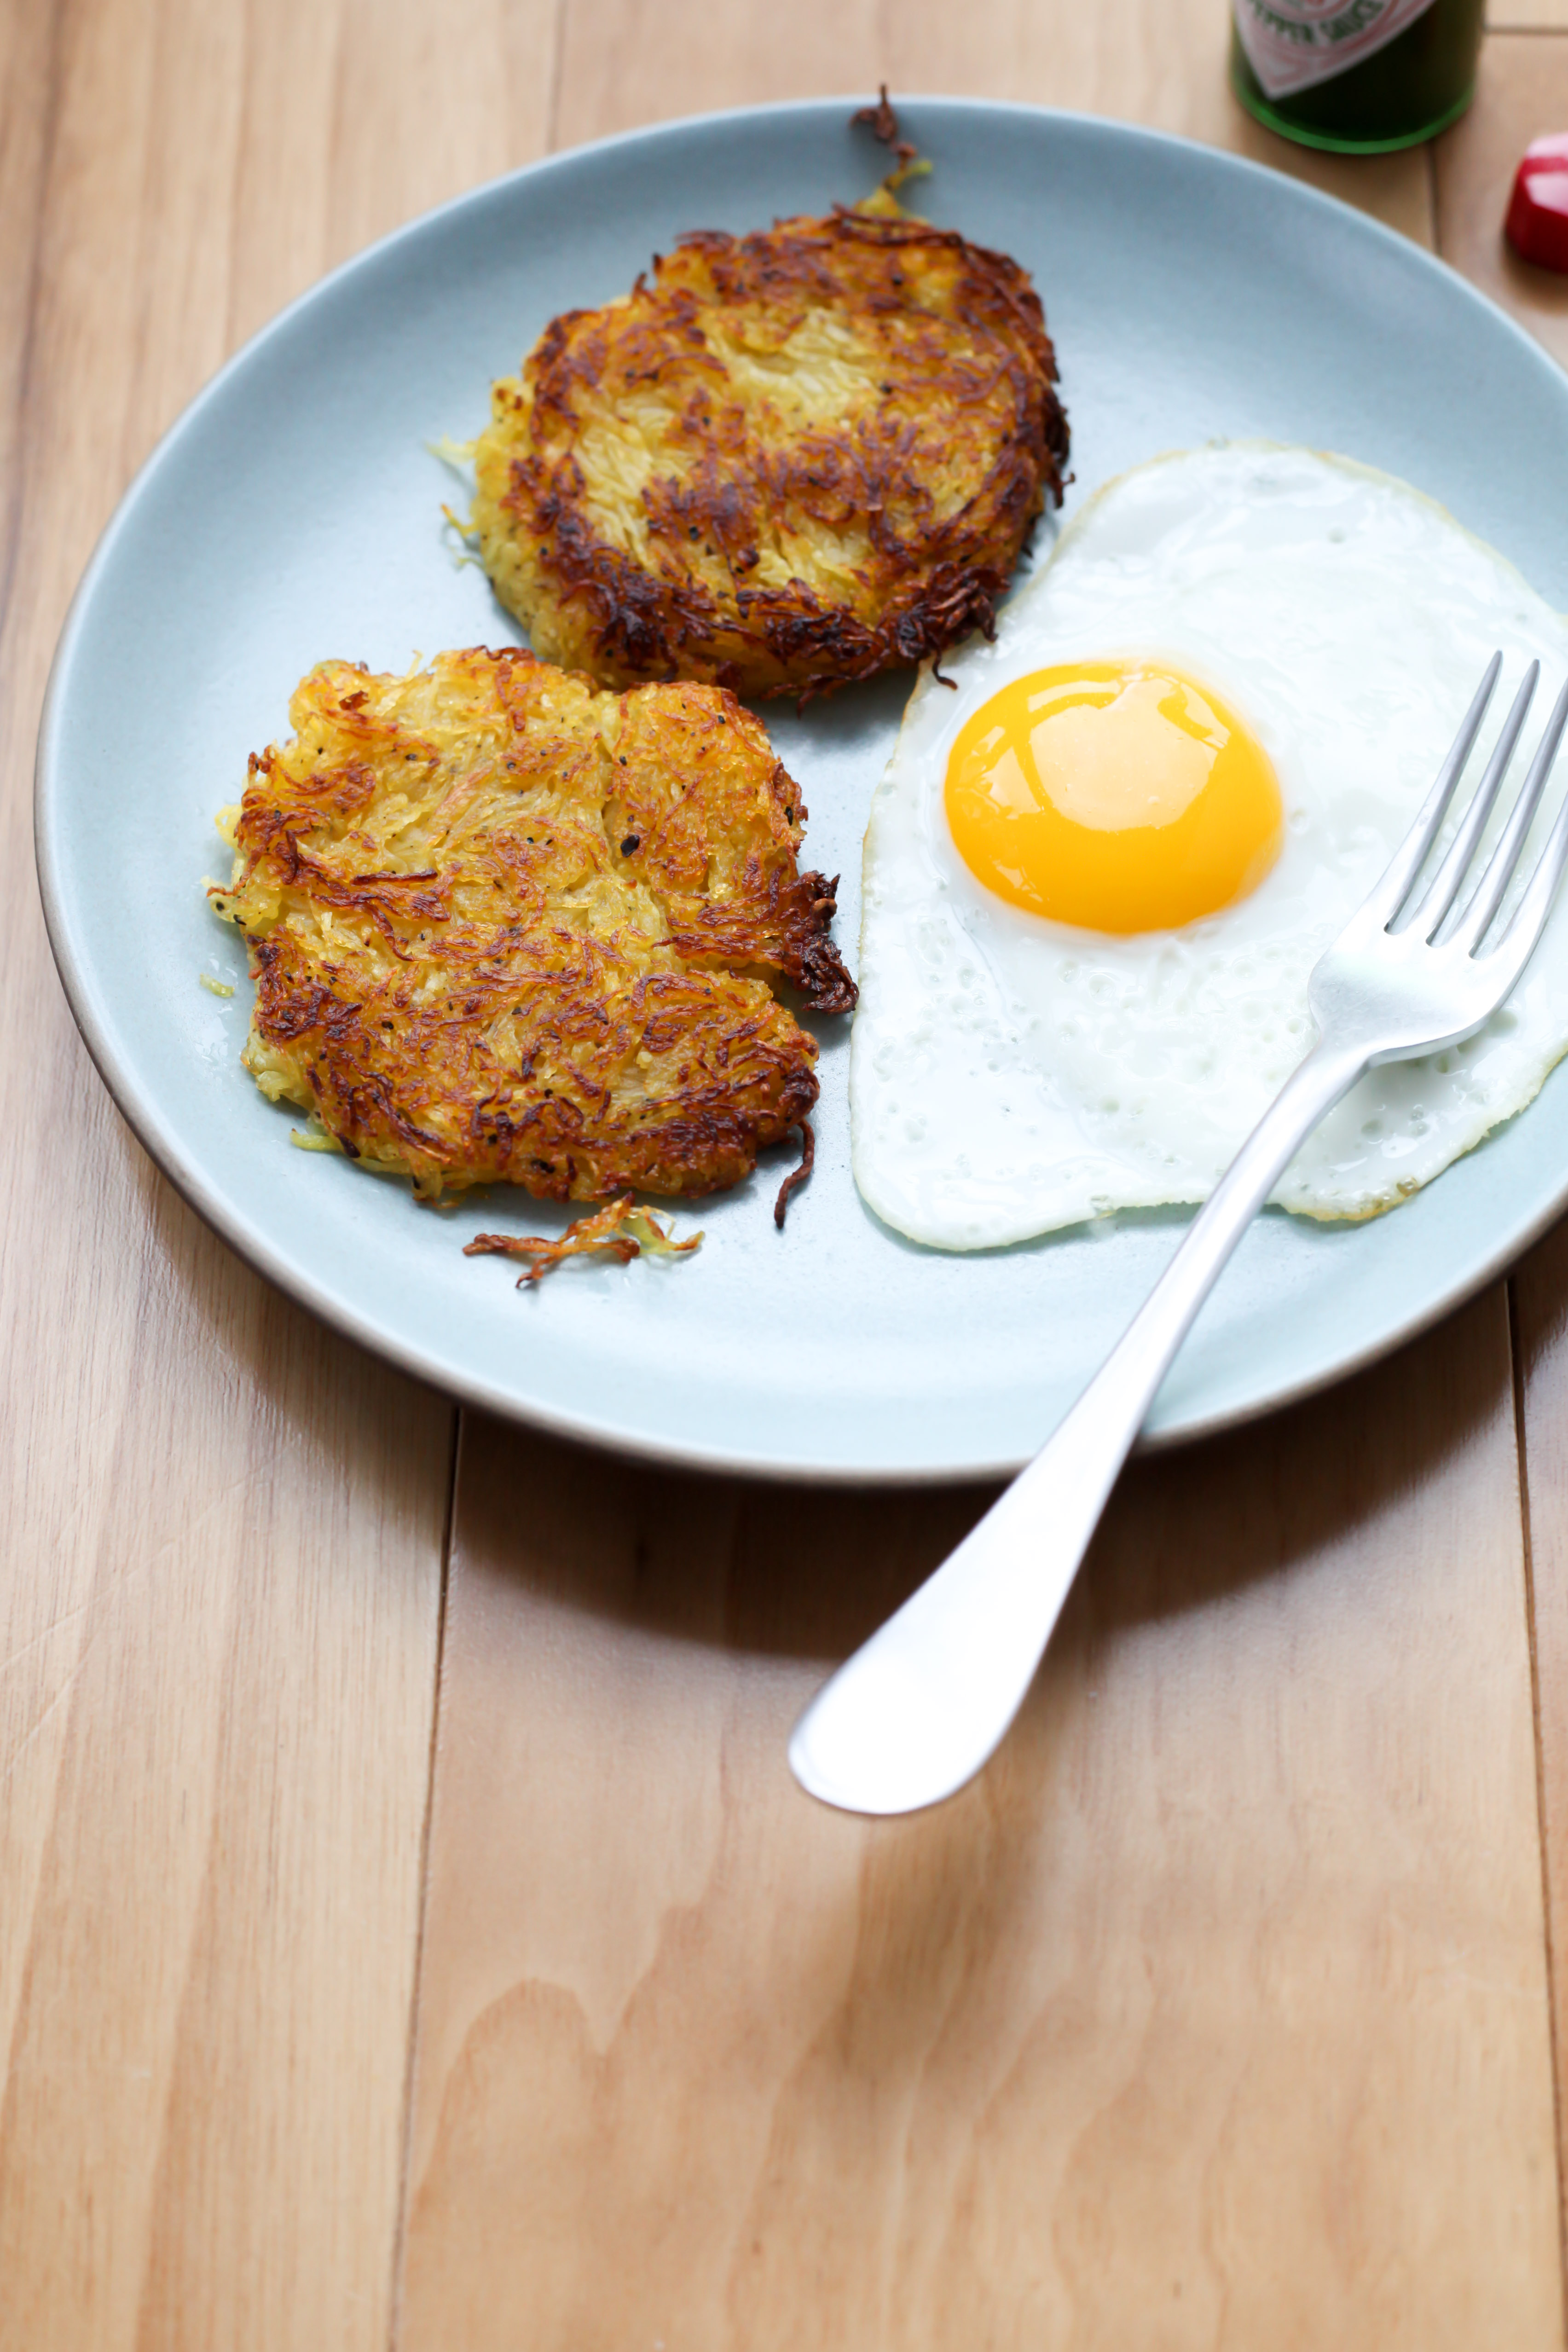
[(407, 1925)]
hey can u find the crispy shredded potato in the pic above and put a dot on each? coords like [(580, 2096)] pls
[(622, 1231), (504, 927), (782, 462)]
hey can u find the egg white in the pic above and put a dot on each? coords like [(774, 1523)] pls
[(1010, 1075)]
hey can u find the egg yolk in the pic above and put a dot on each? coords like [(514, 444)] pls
[(1116, 795)]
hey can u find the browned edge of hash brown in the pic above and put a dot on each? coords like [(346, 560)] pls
[(505, 927), (785, 461)]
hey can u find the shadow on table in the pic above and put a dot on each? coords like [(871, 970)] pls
[(787, 1570), (795, 1570)]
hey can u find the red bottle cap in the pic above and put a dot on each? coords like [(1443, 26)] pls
[(1537, 223)]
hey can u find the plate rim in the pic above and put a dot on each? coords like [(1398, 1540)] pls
[(144, 1116)]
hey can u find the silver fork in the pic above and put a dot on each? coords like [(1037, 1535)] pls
[(920, 1706)]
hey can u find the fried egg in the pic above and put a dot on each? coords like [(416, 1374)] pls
[(1098, 874)]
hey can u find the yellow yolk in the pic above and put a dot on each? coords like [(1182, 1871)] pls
[(1116, 795)]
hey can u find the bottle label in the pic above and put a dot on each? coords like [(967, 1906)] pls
[(1291, 44)]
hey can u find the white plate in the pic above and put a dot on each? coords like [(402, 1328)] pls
[(294, 512)]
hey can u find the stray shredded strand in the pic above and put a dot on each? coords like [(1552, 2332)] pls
[(619, 1230), (908, 163), (796, 1175)]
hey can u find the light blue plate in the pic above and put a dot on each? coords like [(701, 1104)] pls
[(293, 514)]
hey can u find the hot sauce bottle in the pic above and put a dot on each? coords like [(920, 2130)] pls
[(1357, 76)]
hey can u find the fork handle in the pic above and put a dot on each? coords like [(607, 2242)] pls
[(916, 1711)]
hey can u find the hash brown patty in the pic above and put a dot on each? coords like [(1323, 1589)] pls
[(506, 928), (783, 462)]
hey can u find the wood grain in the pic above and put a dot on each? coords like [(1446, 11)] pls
[(1215, 2012), (1157, 61), (1523, 91), (1539, 1296), (221, 1558), (1177, 2011), (1528, 16)]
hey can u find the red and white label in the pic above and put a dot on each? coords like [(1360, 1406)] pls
[(1291, 44)]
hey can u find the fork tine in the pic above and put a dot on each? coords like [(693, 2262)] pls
[(1519, 941), (1476, 918), (1389, 894), (1438, 900)]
